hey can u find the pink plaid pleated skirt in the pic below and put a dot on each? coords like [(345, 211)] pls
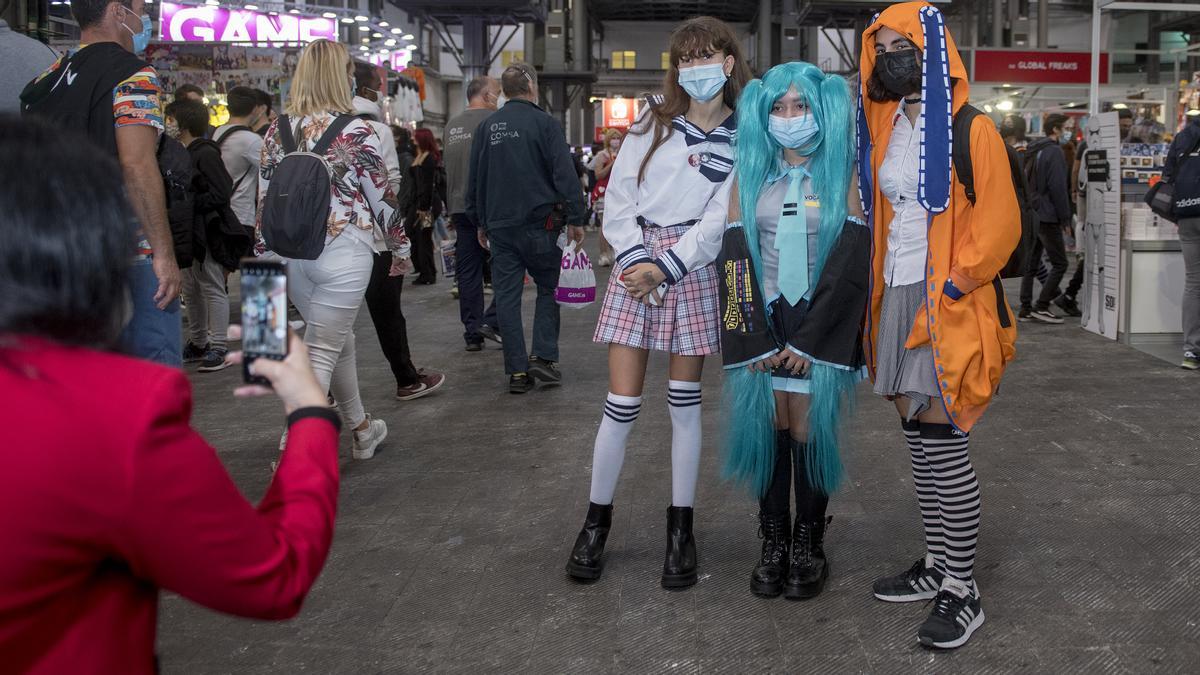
[(686, 323)]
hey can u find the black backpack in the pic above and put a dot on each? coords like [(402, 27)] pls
[(1022, 166), (175, 165), (295, 211)]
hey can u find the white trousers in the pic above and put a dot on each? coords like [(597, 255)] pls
[(207, 303), (328, 292)]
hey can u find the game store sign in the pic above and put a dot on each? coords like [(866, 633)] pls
[(190, 23)]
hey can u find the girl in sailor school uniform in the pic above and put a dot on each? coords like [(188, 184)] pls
[(794, 268), (665, 210), (939, 331)]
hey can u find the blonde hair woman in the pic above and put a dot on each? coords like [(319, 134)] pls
[(329, 290)]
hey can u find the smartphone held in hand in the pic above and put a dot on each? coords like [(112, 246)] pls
[(264, 314)]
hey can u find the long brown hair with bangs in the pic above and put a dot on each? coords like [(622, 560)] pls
[(696, 37)]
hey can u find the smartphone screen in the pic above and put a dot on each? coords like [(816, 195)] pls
[(264, 313)]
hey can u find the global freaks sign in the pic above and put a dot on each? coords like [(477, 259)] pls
[(1037, 67), (188, 23)]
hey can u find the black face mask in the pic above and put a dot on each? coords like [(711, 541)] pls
[(900, 71)]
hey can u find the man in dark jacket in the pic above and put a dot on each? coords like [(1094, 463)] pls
[(522, 190), (1050, 188), (204, 282), (1189, 241)]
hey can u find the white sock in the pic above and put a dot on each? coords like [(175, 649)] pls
[(683, 400), (609, 452)]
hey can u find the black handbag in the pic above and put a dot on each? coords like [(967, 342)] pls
[(1161, 199)]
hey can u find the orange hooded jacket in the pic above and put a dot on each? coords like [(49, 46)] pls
[(972, 338)]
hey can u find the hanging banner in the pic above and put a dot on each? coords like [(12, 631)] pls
[(1102, 231), (189, 23), (1037, 67), (619, 113)]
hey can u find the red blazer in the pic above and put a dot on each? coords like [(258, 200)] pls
[(107, 494)]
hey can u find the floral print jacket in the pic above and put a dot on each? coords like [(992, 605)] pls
[(360, 195)]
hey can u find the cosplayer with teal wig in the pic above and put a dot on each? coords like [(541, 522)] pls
[(794, 269)]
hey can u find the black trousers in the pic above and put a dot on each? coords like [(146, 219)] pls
[(383, 302), (422, 250), (471, 271), (1049, 239)]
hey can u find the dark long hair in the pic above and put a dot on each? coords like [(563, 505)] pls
[(695, 37), (67, 240)]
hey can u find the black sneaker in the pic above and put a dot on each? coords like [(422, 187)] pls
[(1068, 305), (214, 360), (1025, 314), (519, 383), (953, 620), (1046, 316), (192, 353), (546, 371), (918, 583), (490, 333), (474, 346)]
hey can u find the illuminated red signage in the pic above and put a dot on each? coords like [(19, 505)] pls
[(1037, 67)]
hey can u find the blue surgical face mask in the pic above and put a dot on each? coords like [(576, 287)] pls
[(702, 83), (1064, 137), (140, 40), (793, 132)]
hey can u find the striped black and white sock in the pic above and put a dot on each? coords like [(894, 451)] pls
[(926, 497), (683, 400), (957, 496), (609, 452)]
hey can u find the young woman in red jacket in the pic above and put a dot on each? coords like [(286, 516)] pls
[(108, 493)]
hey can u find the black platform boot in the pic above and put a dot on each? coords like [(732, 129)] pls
[(808, 568), (679, 569), (774, 517), (587, 557)]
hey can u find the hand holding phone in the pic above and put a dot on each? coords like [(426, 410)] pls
[(292, 379), (264, 315)]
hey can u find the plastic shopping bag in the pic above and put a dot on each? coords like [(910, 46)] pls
[(576, 280)]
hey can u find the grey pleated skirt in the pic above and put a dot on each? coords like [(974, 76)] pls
[(900, 371)]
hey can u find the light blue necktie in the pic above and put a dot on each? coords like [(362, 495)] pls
[(791, 239)]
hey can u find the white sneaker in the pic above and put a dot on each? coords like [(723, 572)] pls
[(606, 260), (368, 439)]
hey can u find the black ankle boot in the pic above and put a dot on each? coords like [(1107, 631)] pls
[(808, 568), (679, 569), (587, 557), (768, 576)]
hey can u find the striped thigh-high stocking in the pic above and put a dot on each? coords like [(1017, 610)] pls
[(957, 496), (931, 518)]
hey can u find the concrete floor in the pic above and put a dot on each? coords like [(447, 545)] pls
[(451, 542)]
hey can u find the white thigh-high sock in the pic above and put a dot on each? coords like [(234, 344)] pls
[(609, 452), (683, 399)]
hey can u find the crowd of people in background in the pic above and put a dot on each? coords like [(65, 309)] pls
[(821, 286)]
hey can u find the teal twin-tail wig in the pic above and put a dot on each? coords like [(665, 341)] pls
[(749, 398)]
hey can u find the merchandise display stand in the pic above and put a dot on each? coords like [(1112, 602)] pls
[(1152, 272)]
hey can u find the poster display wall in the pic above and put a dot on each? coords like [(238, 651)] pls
[(1099, 299)]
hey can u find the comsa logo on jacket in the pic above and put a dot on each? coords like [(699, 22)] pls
[(499, 132)]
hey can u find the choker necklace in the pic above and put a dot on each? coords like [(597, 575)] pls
[(912, 101)]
